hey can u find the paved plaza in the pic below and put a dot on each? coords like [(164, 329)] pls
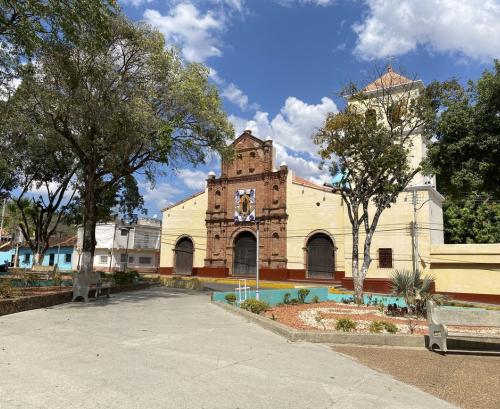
[(163, 348)]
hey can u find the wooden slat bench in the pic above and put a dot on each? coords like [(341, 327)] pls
[(439, 318), (42, 272)]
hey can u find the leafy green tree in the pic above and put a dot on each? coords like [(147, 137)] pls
[(369, 144), (122, 105), (466, 154), (476, 219), (25, 26)]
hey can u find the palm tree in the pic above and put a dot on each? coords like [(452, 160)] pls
[(415, 289)]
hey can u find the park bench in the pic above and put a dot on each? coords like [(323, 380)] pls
[(439, 318), (82, 287), (42, 272)]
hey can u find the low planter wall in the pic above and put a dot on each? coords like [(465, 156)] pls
[(325, 337), (32, 302)]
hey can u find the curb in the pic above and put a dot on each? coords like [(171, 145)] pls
[(324, 337)]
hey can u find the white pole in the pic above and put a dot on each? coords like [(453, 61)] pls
[(257, 274), (415, 232)]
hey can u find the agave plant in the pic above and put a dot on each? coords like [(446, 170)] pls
[(415, 289)]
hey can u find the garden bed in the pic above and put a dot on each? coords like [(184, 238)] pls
[(43, 297), (325, 315)]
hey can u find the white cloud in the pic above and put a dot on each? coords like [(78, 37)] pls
[(292, 127), (160, 196), (238, 97), (194, 179), (186, 27), (395, 27), (323, 3), (135, 3)]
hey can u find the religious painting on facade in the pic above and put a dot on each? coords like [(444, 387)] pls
[(244, 205)]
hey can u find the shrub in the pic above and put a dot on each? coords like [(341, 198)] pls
[(390, 327), (315, 299), (376, 327), (345, 324), (255, 306), (294, 301), (286, 298), (302, 294), (230, 298), (126, 277), (8, 290), (186, 284)]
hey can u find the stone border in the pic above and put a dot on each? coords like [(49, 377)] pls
[(33, 302), (326, 337)]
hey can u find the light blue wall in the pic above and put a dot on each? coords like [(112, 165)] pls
[(5, 256), (63, 265), (274, 297)]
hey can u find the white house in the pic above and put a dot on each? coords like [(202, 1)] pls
[(136, 245)]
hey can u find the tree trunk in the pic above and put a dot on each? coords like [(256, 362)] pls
[(89, 226), (356, 277), (37, 258)]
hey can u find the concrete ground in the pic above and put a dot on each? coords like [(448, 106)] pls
[(469, 380), (163, 348)]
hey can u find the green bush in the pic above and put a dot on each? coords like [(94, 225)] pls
[(125, 277), (377, 327), (390, 327), (302, 294), (230, 298), (294, 301), (255, 306), (286, 298), (345, 324), (315, 299)]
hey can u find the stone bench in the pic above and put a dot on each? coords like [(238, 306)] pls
[(439, 318), (82, 287)]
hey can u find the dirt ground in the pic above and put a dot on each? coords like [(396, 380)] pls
[(468, 380)]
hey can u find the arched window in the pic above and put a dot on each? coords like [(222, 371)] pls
[(276, 244), (320, 256), (184, 250), (217, 199), (276, 194)]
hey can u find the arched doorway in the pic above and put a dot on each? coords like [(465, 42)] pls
[(245, 253), (184, 250), (320, 256)]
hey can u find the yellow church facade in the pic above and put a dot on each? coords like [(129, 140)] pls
[(305, 233)]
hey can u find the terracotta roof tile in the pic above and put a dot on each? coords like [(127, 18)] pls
[(388, 80), (305, 182)]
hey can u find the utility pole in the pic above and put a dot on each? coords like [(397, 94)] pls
[(257, 296), (415, 232), (128, 228)]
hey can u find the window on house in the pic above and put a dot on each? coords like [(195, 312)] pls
[(144, 260), (123, 232), (26, 258), (123, 258), (67, 258), (130, 259), (103, 259), (385, 258)]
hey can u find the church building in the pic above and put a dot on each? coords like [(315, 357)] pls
[(303, 228)]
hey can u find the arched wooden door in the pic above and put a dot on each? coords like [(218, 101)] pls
[(320, 256), (245, 254), (184, 256)]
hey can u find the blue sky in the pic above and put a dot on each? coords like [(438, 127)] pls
[(280, 64)]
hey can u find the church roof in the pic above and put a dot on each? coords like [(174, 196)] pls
[(388, 80), (307, 183)]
